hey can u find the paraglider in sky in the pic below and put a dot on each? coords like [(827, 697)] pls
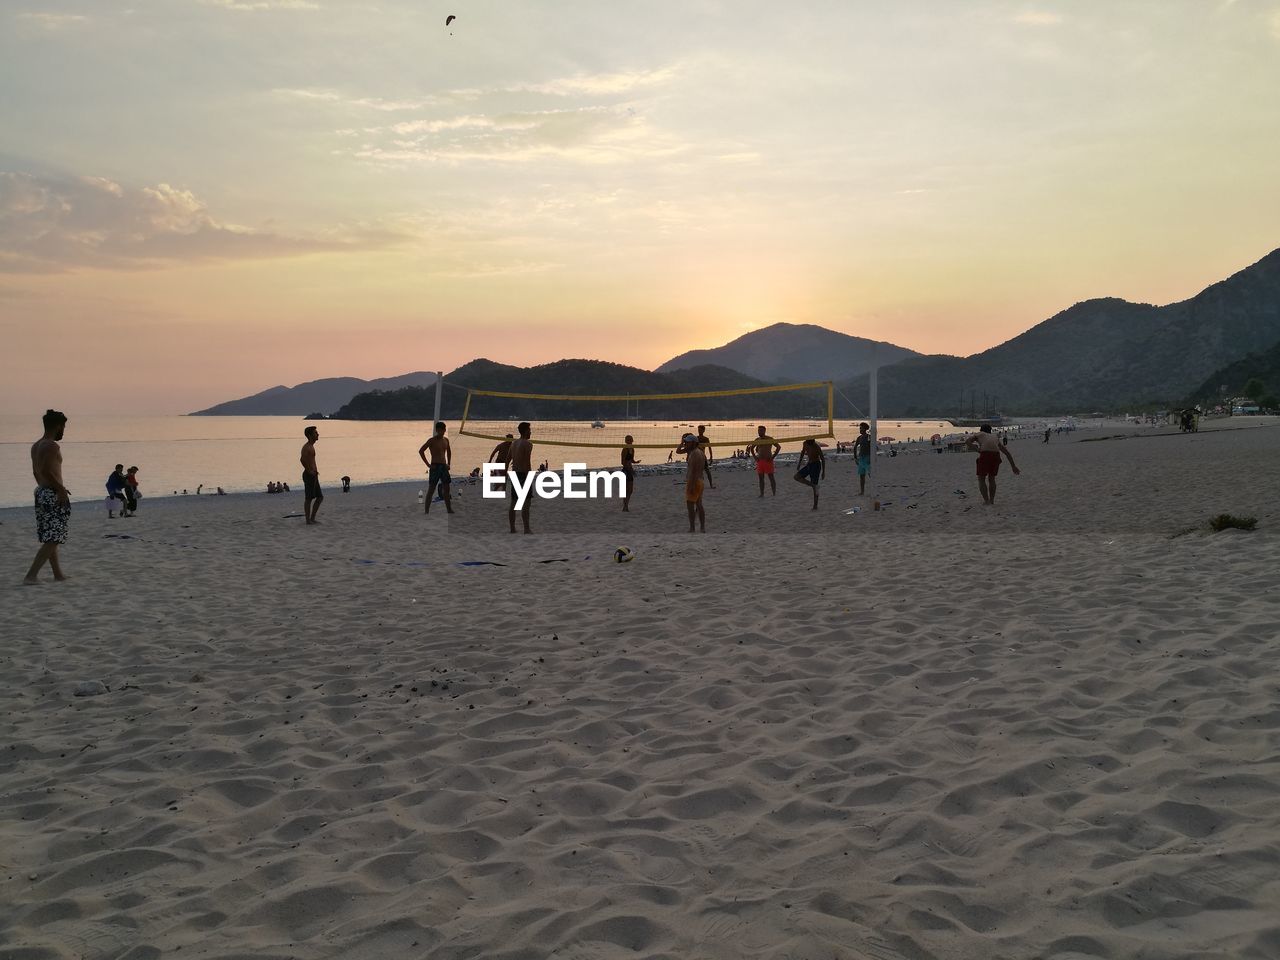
[(449, 19)]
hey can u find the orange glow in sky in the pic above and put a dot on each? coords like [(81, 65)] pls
[(203, 198)]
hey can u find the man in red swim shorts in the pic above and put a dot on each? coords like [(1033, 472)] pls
[(990, 449), (764, 448)]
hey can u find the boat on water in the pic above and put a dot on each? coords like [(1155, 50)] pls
[(996, 421)]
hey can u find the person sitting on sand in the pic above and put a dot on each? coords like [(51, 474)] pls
[(629, 462), (811, 472), (763, 449), (989, 450), (520, 465), (693, 482), (438, 469), (312, 494)]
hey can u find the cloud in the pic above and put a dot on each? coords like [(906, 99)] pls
[(1038, 18), (54, 21), (591, 135), (599, 84), (257, 5), (1275, 24), (376, 103), (48, 225)]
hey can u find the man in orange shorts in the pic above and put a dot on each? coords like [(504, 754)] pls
[(989, 450), (764, 448), (693, 481)]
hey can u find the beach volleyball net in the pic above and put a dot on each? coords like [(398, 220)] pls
[(789, 413)]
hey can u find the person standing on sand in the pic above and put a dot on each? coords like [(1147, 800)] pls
[(438, 468), (502, 452), (694, 472), (131, 490), (115, 491), (862, 456), (989, 450), (629, 462), (704, 442), (763, 449), (53, 500), (312, 495), (815, 470), (520, 464)]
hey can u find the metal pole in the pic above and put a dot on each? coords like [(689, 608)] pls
[(439, 393), (873, 382)]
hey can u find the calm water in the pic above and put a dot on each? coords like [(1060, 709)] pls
[(244, 453)]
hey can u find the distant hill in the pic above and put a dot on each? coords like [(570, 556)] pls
[(793, 352), (1264, 366), (1104, 354), (315, 396), (583, 377)]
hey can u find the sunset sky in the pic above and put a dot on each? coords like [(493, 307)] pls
[(203, 198)]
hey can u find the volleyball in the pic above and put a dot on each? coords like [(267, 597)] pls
[(623, 555)]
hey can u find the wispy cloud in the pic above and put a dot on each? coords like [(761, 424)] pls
[(258, 5), (49, 225), (589, 135), (1038, 18), (598, 84), (54, 21)]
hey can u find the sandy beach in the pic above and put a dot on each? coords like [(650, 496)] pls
[(1047, 729)]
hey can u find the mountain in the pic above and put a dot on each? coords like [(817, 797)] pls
[(582, 377), (1105, 354), (315, 395), (793, 352), (1263, 366)]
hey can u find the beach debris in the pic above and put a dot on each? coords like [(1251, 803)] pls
[(1227, 521), (90, 688)]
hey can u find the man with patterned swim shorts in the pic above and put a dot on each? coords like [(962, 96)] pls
[(990, 449), (693, 481), (764, 448), (53, 501)]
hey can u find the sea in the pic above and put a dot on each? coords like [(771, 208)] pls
[(178, 455)]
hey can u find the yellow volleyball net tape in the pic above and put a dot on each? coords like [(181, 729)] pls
[(730, 418)]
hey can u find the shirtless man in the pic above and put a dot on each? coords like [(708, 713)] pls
[(53, 502), (989, 450), (438, 468), (310, 476), (704, 442), (696, 470), (814, 470), (862, 456), (520, 464), (629, 462), (502, 452), (764, 448)]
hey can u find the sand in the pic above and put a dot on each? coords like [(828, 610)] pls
[(1045, 729)]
